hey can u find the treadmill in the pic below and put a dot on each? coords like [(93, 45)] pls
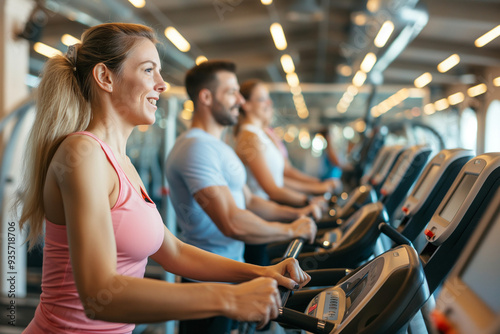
[(383, 295), (352, 243)]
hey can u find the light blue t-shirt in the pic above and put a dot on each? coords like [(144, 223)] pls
[(199, 160)]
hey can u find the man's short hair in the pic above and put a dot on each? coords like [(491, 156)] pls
[(204, 76)]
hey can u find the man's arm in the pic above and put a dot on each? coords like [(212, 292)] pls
[(241, 224)]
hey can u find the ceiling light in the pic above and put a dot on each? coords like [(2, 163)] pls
[(359, 79), (296, 90), (176, 38), (344, 70), (423, 80), (46, 50), (292, 79), (384, 34), (477, 90), (200, 59), (429, 109), (138, 3), (368, 62), (488, 37), (278, 36), (359, 18), (448, 63), (287, 63), (373, 5), (496, 81), (266, 2), (353, 90), (456, 98), (441, 104), (68, 40)]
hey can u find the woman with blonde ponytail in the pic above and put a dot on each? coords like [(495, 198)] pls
[(100, 225)]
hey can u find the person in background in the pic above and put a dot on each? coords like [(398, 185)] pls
[(263, 159), (100, 225), (215, 209)]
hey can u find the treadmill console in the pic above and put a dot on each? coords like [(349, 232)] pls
[(460, 196), (344, 302), (430, 176)]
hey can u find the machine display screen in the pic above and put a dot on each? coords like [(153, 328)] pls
[(427, 180), (483, 268), (395, 170), (383, 162), (457, 198)]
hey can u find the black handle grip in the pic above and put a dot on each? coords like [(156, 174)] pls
[(393, 234), (304, 321)]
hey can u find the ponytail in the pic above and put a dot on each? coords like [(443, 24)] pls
[(61, 110)]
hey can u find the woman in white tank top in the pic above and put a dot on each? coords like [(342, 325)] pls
[(263, 159)]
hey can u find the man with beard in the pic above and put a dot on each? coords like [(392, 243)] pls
[(215, 209)]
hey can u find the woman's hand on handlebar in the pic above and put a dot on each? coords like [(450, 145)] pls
[(257, 300), (288, 274)]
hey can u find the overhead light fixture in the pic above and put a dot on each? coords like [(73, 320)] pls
[(496, 81), (359, 79), (46, 50), (292, 79), (441, 104), (456, 98), (287, 64), (138, 3), (373, 5), (177, 39), (266, 2), (359, 18), (448, 63), (488, 37), (353, 90), (429, 109), (304, 11), (477, 90), (384, 34), (296, 90), (368, 62), (278, 36), (423, 80), (344, 70), (200, 59), (68, 40)]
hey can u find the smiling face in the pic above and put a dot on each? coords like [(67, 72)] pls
[(226, 99), (137, 88), (259, 106)]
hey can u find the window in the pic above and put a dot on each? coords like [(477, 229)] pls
[(492, 138), (468, 129)]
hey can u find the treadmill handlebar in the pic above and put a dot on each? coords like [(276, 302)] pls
[(393, 234), (304, 321), (294, 248)]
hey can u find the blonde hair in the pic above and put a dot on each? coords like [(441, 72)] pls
[(64, 100)]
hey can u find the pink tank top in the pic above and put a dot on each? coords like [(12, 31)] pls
[(139, 232)]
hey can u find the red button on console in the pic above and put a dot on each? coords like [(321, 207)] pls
[(405, 209), (429, 233)]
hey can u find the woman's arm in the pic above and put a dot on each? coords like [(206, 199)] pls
[(192, 262), (106, 295), (293, 173)]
